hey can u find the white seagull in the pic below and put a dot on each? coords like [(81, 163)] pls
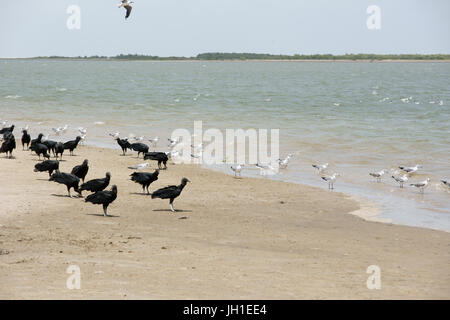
[(410, 170), (127, 5), (115, 135), (320, 167), (330, 180), (378, 174), (401, 180), (237, 170), (141, 138), (139, 166), (421, 185), (82, 130), (446, 182), (266, 170), (284, 162), (154, 141)]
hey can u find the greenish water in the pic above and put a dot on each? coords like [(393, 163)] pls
[(348, 114)]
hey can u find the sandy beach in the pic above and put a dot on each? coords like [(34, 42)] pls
[(235, 239)]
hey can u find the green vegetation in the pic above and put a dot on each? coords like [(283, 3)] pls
[(263, 56)]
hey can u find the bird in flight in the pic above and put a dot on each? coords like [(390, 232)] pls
[(127, 5)]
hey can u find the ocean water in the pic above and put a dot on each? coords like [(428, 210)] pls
[(358, 116)]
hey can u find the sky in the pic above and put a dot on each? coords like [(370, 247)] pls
[(31, 28)]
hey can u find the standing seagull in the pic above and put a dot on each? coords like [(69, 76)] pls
[(320, 167), (410, 170), (378, 174), (127, 5), (330, 180), (401, 180), (237, 170), (446, 182), (421, 185), (284, 162), (170, 192)]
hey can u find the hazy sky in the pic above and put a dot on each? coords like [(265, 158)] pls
[(188, 27)]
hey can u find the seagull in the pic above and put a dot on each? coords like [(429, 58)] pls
[(58, 130), (410, 170), (154, 141), (266, 169), (446, 182), (115, 135), (284, 162), (173, 143), (139, 166), (421, 185), (378, 175), (401, 180), (330, 180), (237, 170), (141, 138), (127, 5), (320, 168), (82, 130)]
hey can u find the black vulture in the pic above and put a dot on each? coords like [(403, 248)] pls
[(40, 148), (124, 144), (96, 185), (50, 145), (26, 139), (139, 147), (47, 165), (145, 179), (170, 192), (72, 145), (104, 198), (7, 129), (161, 157), (69, 180), (37, 140), (81, 170), (59, 149), (9, 144)]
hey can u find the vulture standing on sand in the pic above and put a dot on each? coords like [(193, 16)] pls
[(9, 144), (81, 170), (96, 185), (124, 144), (140, 148), (104, 198), (69, 180), (47, 165), (145, 179), (161, 157), (26, 139), (170, 192), (37, 140), (7, 129), (59, 149), (72, 145), (40, 148), (51, 145)]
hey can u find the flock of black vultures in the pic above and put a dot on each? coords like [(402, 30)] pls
[(96, 186)]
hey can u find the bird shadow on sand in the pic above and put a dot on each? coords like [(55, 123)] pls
[(65, 196), (101, 215), (9, 158), (141, 194), (168, 210), (41, 179)]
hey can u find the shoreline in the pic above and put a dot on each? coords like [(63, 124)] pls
[(236, 238)]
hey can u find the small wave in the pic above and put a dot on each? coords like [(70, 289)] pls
[(13, 97), (61, 89), (99, 123)]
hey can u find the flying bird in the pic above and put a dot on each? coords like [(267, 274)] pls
[(104, 198), (127, 5), (421, 185), (47, 165), (145, 179), (69, 180), (378, 174), (170, 192), (96, 185), (161, 157)]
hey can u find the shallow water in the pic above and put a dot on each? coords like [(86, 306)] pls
[(348, 114)]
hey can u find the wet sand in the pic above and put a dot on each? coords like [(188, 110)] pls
[(235, 239)]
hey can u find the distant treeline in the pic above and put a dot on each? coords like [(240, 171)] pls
[(263, 56)]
